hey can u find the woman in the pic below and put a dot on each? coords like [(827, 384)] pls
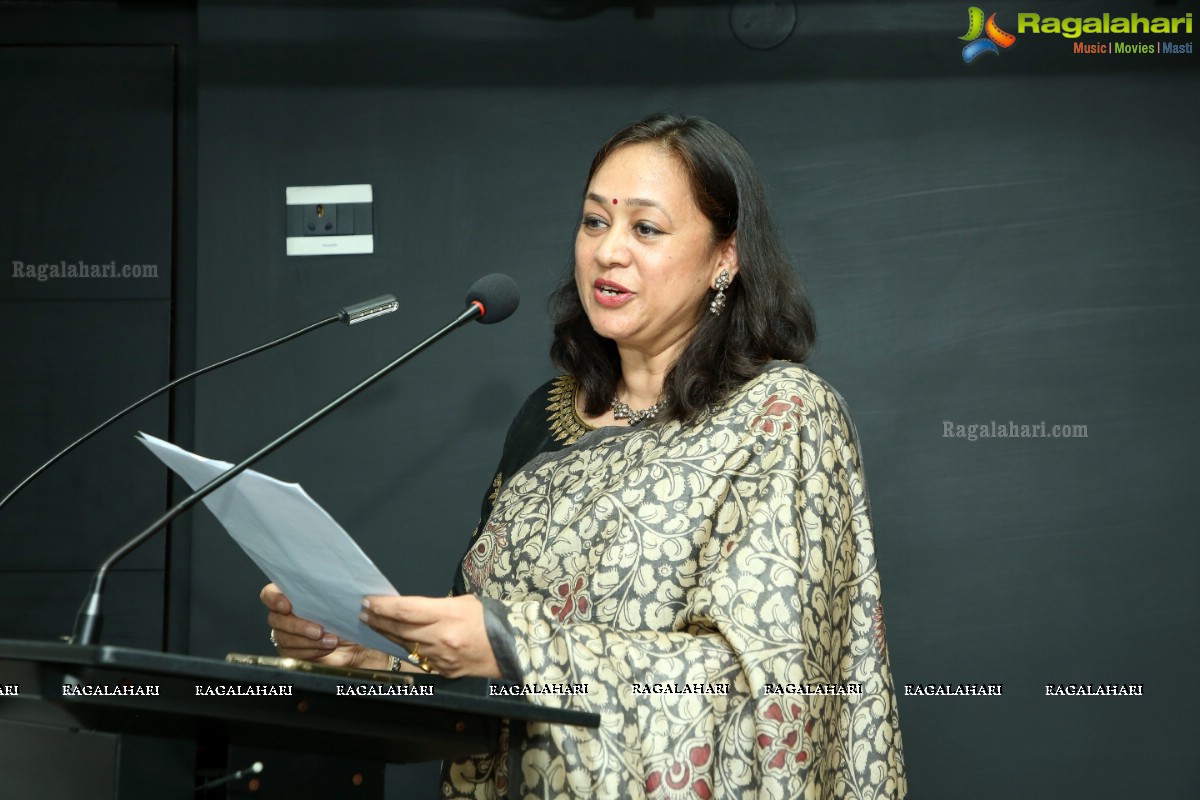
[(680, 522)]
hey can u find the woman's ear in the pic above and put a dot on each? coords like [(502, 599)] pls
[(728, 259)]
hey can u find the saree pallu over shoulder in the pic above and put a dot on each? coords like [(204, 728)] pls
[(713, 587)]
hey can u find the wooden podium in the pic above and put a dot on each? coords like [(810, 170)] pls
[(127, 743)]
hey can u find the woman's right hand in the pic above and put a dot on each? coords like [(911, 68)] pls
[(300, 638)]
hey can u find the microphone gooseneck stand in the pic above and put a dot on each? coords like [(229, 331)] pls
[(88, 620), (350, 315)]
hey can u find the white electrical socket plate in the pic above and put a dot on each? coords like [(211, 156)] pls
[(331, 195)]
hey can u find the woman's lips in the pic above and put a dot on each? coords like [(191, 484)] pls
[(610, 294)]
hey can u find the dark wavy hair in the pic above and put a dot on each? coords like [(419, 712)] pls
[(766, 316)]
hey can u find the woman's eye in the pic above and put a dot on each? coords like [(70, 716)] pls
[(592, 223), (646, 229)]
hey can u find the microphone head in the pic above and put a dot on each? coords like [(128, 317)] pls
[(368, 309), (497, 297)]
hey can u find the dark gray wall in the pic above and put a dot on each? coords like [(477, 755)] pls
[(87, 166)]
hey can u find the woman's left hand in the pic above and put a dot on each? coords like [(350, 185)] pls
[(448, 631)]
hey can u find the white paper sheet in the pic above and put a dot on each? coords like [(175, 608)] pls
[(293, 540)]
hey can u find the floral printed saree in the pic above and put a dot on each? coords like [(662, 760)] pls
[(713, 588)]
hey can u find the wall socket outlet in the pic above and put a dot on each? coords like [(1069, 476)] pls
[(328, 220)]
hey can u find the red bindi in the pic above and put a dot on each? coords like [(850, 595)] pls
[(614, 201)]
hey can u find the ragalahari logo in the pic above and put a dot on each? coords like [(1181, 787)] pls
[(996, 38)]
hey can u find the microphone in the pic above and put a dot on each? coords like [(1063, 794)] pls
[(493, 298), (497, 292), (368, 309), (350, 315), (253, 769)]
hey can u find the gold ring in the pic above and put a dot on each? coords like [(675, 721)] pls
[(274, 643), (415, 658)]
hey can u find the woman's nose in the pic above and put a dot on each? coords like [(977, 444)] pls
[(613, 248)]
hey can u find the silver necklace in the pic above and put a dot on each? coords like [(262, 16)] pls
[(622, 411)]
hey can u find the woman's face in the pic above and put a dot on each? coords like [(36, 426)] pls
[(644, 254)]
